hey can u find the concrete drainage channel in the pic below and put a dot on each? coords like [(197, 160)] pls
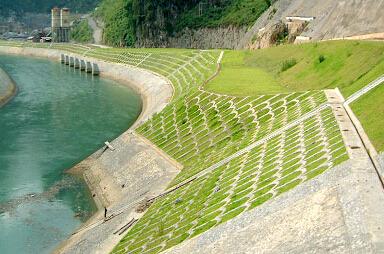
[(81, 64), (371, 151)]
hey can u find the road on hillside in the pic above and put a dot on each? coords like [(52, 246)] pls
[(97, 31)]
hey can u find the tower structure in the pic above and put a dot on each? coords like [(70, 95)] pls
[(65, 24), (60, 24), (55, 24)]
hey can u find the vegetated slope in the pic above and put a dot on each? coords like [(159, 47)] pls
[(81, 32), (127, 21), (237, 152), (18, 7), (186, 69), (348, 65), (370, 111), (203, 130), (264, 172)]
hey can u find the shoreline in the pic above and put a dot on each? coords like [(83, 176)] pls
[(155, 92), (11, 89)]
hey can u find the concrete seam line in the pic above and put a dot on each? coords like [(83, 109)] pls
[(365, 90), (369, 148), (220, 57), (250, 147), (143, 60)]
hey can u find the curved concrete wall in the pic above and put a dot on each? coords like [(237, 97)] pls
[(7, 88)]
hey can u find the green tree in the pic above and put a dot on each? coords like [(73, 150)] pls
[(82, 32)]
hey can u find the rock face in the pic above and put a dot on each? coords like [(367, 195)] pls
[(333, 18), (276, 33), (204, 38), (269, 36)]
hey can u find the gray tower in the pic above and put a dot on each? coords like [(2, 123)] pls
[(60, 25)]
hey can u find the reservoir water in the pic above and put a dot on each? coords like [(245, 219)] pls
[(59, 117)]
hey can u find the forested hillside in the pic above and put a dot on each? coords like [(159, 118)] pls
[(129, 20), (18, 7)]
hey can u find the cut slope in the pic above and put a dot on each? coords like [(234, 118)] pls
[(149, 23), (333, 18)]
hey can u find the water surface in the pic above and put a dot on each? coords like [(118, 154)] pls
[(59, 117)]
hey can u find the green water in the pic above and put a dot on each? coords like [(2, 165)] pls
[(58, 118)]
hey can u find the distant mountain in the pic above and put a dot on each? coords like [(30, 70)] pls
[(18, 7)]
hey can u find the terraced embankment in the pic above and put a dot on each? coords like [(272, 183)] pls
[(8, 88), (289, 168)]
